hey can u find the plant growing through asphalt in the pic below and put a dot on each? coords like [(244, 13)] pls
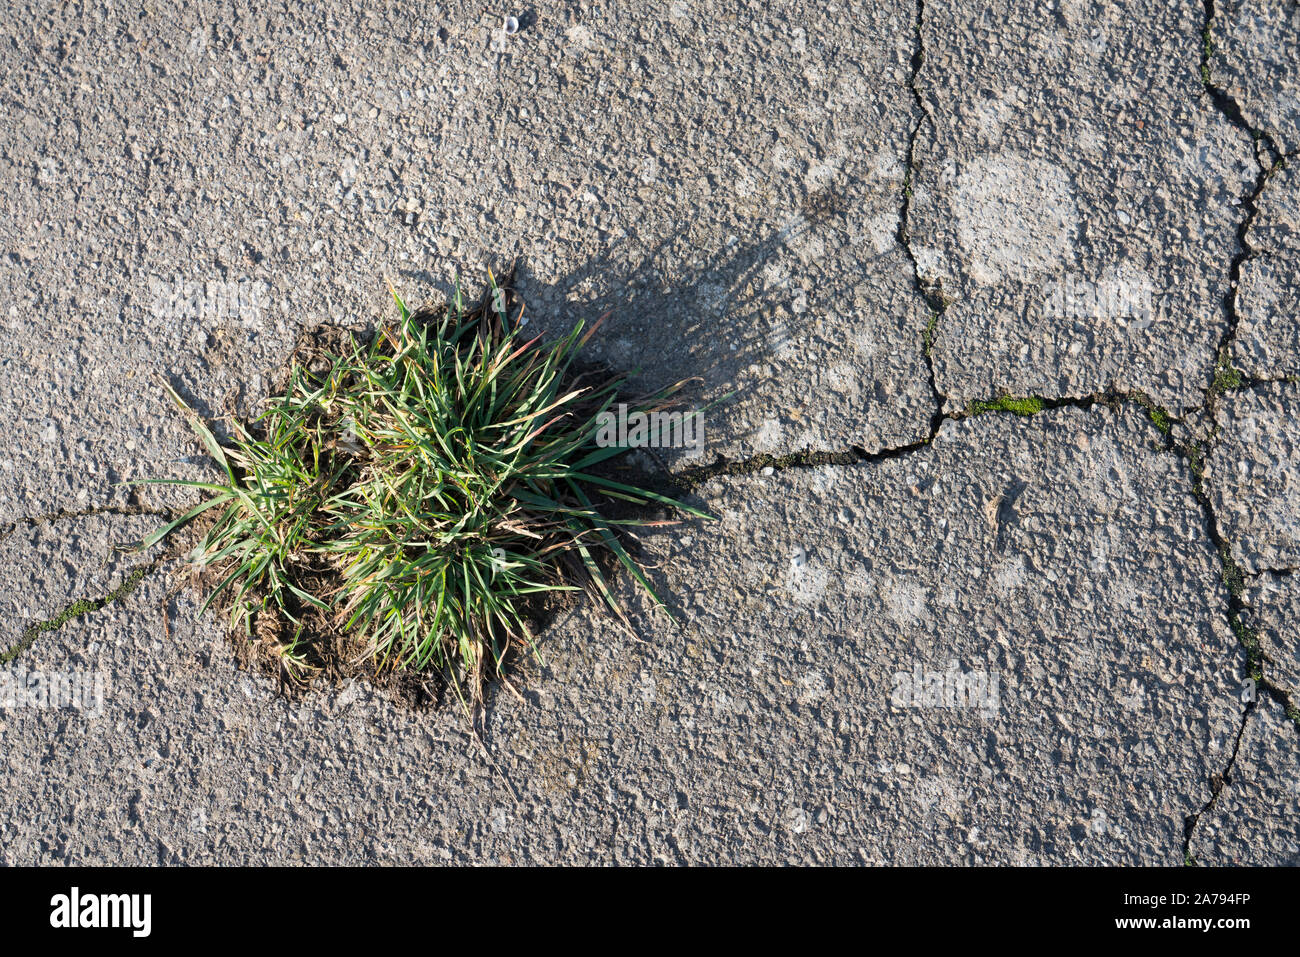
[(420, 492)]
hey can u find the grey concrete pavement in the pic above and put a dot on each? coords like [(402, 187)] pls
[(1272, 601), (1255, 59), (979, 639), (780, 723), (1082, 227), (1253, 819), (1267, 343)]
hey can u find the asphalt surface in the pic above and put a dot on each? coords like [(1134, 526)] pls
[(923, 630)]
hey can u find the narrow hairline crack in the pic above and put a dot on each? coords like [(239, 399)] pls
[(67, 515)]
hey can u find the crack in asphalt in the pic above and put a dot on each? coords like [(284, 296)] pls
[(1217, 784), (1244, 253), (81, 606), (690, 479), (1186, 452), (1233, 576), (1226, 103), (933, 297), (1279, 572), (1269, 160), (63, 515), (75, 609)]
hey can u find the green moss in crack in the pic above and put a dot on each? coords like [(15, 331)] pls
[(931, 327), (1293, 713), (1159, 417), (83, 606), (1017, 405), (1207, 53), (1226, 376), (1195, 455), (1233, 577)]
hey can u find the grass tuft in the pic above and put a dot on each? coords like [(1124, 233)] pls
[(420, 493)]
